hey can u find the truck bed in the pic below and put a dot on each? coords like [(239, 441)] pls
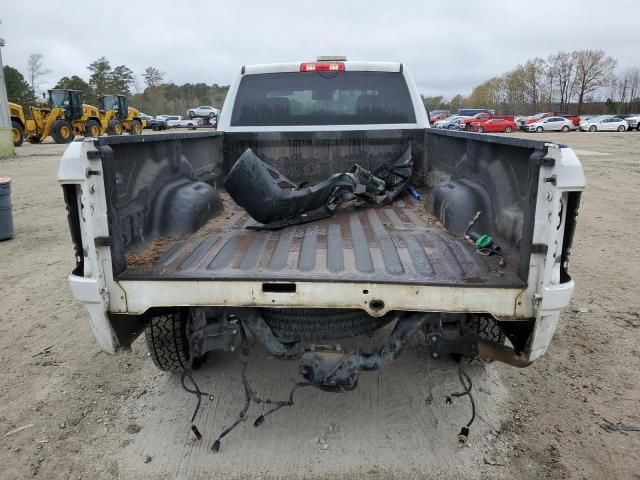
[(400, 244)]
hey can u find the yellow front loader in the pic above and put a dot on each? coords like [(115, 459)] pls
[(65, 117), (20, 126), (118, 116)]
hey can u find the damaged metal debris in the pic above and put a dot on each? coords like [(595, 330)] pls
[(224, 329), (276, 201)]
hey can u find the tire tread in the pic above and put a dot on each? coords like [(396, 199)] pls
[(167, 342)]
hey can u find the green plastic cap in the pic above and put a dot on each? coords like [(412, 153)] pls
[(484, 241)]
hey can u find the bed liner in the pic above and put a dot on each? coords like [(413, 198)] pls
[(400, 243)]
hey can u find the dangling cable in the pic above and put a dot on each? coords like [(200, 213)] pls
[(243, 413), (250, 396), (463, 436), (188, 373)]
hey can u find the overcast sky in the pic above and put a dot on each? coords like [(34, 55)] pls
[(449, 46)]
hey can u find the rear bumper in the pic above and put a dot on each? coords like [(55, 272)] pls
[(87, 290)]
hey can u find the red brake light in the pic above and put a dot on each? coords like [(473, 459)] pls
[(322, 67)]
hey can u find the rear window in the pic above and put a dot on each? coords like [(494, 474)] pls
[(322, 98)]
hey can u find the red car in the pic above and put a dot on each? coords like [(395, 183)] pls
[(494, 125), (465, 124), (438, 116)]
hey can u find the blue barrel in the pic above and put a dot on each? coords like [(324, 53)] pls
[(6, 219)]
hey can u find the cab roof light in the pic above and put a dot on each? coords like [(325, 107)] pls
[(322, 67), (331, 58)]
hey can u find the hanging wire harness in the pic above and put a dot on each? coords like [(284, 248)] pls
[(467, 385)]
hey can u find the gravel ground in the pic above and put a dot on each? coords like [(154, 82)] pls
[(87, 414)]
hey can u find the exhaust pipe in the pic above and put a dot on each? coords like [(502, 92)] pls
[(502, 353)]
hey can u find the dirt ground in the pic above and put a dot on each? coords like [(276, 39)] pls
[(85, 414)]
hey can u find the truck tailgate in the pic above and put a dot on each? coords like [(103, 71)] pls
[(400, 244)]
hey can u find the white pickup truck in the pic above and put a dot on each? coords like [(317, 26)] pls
[(480, 264), (176, 121)]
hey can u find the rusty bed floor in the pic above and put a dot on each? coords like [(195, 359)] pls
[(400, 243)]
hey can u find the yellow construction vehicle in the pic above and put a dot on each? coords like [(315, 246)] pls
[(118, 116), (18, 123), (65, 117)]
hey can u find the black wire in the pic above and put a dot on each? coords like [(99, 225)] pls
[(462, 375), (249, 396), (243, 413), (188, 373)]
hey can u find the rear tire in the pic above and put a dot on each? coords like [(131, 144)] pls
[(18, 133), (62, 131), (488, 330), (136, 128), (192, 114), (480, 129), (114, 127), (565, 129), (508, 130), (155, 127), (92, 129), (166, 337)]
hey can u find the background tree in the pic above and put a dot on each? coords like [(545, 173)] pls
[(563, 65), (100, 78), (153, 77), (456, 103), (594, 70), (121, 79), (434, 103), (36, 69), (18, 90), (532, 76)]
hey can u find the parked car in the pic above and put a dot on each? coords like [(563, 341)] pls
[(551, 124), (452, 123), (447, 120), (203, 111), (605, 123), (465, 123), (347, 273), (523, 122), (148, 119), (494, 125), (470, 112), (437, 117), (156, 124), (176, 121), (632, 119)]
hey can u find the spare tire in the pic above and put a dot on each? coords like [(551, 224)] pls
[(315, 324)]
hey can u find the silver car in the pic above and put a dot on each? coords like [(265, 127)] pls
[(551, 124), (604, 124), (203, 111)]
